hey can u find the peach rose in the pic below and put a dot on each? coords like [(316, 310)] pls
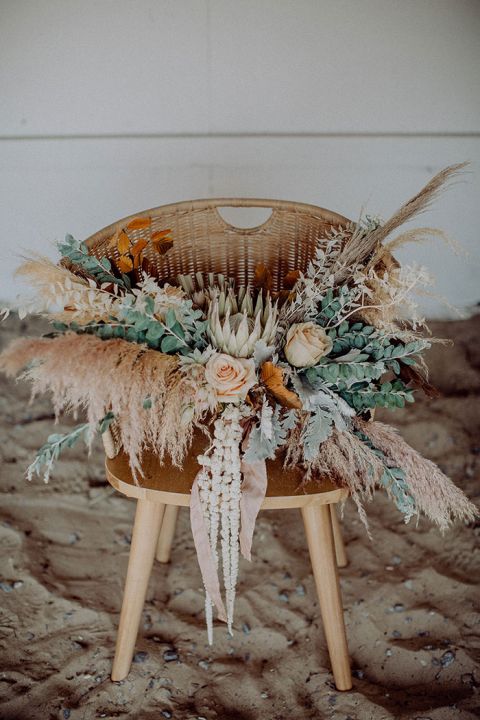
[(231, 377), (306, 344)]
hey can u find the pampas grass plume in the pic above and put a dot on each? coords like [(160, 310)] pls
[(83, 372), (434, 493)]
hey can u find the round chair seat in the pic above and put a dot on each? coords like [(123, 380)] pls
[(171, 485)]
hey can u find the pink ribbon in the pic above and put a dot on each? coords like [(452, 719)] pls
[(254, 487), (204, 552)]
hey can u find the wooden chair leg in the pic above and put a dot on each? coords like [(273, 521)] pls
[(318, 528), (167, 533), (340, 552), (148, 519)]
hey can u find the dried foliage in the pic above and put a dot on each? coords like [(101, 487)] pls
[(272, 378), (361, 246), (156, 403), (343, 459), (130, 249), (331, 343), (434, 493)]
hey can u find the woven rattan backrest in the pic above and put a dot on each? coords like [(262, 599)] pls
[(204, 242)]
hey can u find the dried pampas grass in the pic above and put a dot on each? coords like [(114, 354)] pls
[(434, 493), (62, 295), (345, 460), (421, 235), (350, 463), (361, 245), (83, 372), (41, 273)]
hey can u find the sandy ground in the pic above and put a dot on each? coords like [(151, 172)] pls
[(411, 605)]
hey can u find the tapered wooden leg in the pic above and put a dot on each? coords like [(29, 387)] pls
[(340, 552), (148, 519), (318, 528), (167, 533)]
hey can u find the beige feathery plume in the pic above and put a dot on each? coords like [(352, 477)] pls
[(343, 459), (351, 464), (61, 294), (101, 376), (360, 246), (434, 493), (41, 272)]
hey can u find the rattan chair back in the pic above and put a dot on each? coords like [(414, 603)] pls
[(203, 241)]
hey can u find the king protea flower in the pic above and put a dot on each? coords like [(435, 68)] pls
[(234, 327)]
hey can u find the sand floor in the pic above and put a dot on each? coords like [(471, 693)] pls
[(411, 604)]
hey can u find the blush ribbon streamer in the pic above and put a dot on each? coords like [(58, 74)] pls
[(204, 552), (254, 488)]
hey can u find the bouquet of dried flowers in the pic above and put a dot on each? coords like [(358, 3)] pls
[(294, 372)]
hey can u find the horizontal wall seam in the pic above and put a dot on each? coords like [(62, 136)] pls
[(239, 136)]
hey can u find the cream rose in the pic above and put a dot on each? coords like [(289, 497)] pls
[(306, 344), (231, 377)]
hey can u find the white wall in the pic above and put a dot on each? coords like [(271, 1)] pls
[(111, 106)]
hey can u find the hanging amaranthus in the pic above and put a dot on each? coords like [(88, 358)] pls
[(219, 487)]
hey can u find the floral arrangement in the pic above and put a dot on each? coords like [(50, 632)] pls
[(294, 373)]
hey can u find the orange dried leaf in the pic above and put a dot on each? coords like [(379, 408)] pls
[(160, 234), (283, 296), (290, 279), (124, 263), (139, 223), (138, 247), (163, 246), (123, 243), (262, 278), (112, 243), (147, 266), (272, 378)]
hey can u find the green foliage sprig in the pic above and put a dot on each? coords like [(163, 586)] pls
[(393, 480), (361, 356), (49, 453), (180, 330), (389, 395), (262, 443), (316, 430), (99, 269), (332, 304), (375, 343)]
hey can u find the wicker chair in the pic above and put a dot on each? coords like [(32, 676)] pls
[(205, 242)]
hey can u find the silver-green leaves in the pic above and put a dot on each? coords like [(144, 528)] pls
[(100, 270), (56, 443)]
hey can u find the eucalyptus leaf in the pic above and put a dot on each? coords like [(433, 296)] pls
[(170, 318), (155, 331), (170, 344)]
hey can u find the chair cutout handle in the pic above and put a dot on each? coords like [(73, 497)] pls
[(245, 218)]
